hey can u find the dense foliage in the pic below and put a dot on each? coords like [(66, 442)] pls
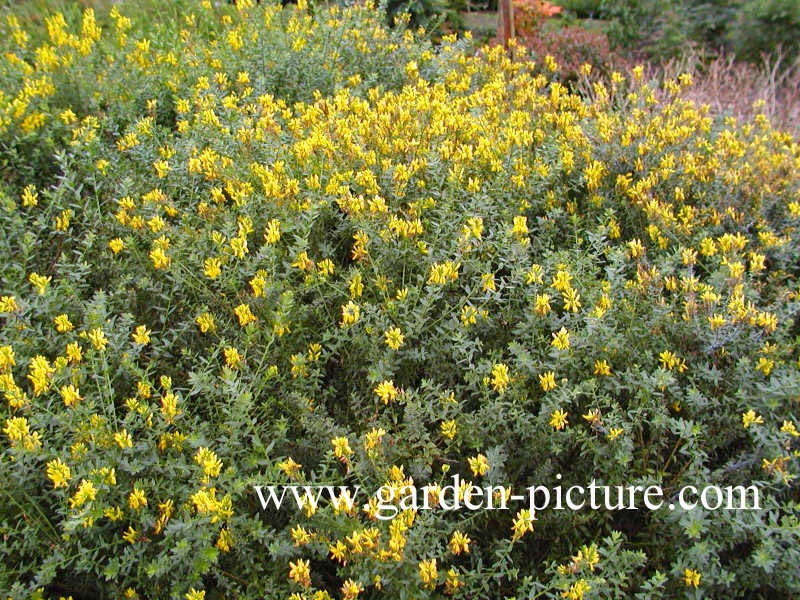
[(748, 28), (246, 245)]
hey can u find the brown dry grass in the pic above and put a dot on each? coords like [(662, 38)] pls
[(731, 87)]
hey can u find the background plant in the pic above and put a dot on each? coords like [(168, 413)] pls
[(750, 29)]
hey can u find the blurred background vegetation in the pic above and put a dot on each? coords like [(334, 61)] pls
[(748, 29)]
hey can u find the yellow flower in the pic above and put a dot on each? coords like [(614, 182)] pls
[(74, 352), (40, 374), (520, 227), (593, 417), (541, 305), (386, 391), (459, 543), (13, 393), (123, 439), (394, 338), (448, 429), (300, 571), (561, 339), (194, 594), (689, 256), (635, 248), (351, 590), (212, 267), (469, 315), (205, 322), (205, 501), (30, 197), (534, 275), (373, 438), (98, 339), (472, 228), (232, 357), (356, 286), (360, 251), (162, 168), (290, 467), (577, 590), (6, 358), (479, 465), (350, 314), (225, 540), (547, 381), (19, 433), (144, 389), (587, 555), (602, 368), (137, 499), (245, 315), (159, 258), (338, 551), (85, 492), (614, 433), (303, 262), (314, 351), (708, 247), (765, 365), (169, 407), (210, 462), (443, 273), (165, 510), (325, 267), (428, 573), (500, 378), (258, 283), (558, 419), (70, 395), (691, 578), (63, 323), (751, 417), (156, 223), (341, 448), (572, 300), (116, 245), (272, 231), (8, 304), (141, 335), (40, 282), (790, 428), (561, 280), (522, 524), (58, 472), (452, 582), (667, 359), (130, 535)]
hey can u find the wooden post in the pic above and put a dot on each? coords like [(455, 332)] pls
[(506, 26)]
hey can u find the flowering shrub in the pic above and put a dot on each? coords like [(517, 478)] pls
[(253, 246)]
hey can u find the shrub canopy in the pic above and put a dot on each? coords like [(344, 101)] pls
[(250, 245)]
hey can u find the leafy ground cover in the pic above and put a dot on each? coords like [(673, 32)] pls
[(246, 245)]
